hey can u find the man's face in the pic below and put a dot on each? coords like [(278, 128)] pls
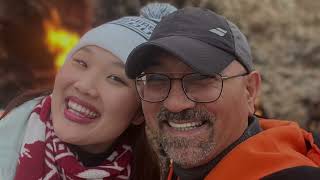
[(193, 133)]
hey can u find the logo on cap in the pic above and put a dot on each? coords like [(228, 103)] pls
[(140, 25), (219, 31)]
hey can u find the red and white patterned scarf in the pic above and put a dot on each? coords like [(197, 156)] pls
[(44, 156)]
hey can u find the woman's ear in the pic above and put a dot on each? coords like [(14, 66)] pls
[(253, 89), (138, 117)]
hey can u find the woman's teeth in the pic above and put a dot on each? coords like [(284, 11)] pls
[(81, 110), (185, 126)]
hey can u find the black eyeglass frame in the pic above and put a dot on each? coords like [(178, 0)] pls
[(223, 78)]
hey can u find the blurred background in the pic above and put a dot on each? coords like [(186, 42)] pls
[(35, 36)]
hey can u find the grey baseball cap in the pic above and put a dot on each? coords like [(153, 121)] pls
[(202, 39)]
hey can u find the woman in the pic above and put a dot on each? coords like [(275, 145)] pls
[(90, 126)]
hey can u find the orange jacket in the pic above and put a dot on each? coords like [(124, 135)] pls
[(280, 145)]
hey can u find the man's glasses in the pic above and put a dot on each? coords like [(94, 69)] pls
[(155, 87)]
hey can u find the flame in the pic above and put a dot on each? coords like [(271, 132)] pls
[(59, 40)]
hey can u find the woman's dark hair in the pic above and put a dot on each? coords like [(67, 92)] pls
[(145, 164), (145, 161)]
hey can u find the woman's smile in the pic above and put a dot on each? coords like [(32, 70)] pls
[(79, 111)]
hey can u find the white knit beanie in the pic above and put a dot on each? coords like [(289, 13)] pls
[(121, 36)]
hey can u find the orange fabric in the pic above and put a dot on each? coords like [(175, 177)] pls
[(280, 145)]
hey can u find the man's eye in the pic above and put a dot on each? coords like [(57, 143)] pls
[(81, 62), (155, 78)]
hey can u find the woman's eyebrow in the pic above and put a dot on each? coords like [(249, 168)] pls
[(118, 64), (87, 50)]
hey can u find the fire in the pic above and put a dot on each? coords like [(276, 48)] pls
[(58, 39)]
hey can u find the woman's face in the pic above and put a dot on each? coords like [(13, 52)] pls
[(93, 101)]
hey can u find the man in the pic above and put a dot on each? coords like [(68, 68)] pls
[(198, 86)]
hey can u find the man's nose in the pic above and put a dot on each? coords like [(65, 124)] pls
[(177, 100)]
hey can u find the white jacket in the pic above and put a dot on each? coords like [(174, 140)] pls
[(12, 130)]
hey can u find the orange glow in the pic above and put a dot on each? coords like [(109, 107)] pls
[(58, 39)]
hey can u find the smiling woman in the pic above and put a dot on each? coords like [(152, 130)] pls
[(90, 125), (89, 92)]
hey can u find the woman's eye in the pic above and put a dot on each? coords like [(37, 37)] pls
[(116, 78), (81, 62)]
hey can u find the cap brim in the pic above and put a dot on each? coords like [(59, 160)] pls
[(200, 56)]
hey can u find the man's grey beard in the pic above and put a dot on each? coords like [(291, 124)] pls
[(187, 151)]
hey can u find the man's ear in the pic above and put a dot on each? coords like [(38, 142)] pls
[(138, 117), (253, 89)]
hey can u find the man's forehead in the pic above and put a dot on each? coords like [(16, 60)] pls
[(168, 63)]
